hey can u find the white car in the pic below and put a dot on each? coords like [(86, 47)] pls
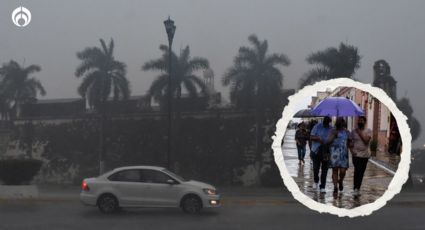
[(147, 186)]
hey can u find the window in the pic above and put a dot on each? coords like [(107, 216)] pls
[(132, 175), (174, 175), (154, 176)]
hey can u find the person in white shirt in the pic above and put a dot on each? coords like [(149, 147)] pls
[(360, 151)]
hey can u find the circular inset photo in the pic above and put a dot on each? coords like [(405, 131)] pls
[(342, 147)]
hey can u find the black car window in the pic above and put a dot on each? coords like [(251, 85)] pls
[(132, 175), (154, 176)]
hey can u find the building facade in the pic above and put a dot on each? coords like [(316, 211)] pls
[(377, 114)]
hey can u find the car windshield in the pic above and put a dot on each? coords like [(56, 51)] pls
[(174, 175)]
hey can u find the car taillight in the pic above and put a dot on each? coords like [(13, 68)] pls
[(85, 186)]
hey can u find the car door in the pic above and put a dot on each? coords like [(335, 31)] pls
[(128, 186), (160, 193)]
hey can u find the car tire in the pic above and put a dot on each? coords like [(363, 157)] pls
[(191, 204), (107, 204)]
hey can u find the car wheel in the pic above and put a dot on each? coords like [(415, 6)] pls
[(191, 204), (107, 204)]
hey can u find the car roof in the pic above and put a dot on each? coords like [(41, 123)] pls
[(139, 167)]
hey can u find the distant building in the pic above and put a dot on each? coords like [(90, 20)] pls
[(209, 80), (142, 106), (379, 117), (382, 78), (54, 107), (320, 95), (72, 107), (214, 99)]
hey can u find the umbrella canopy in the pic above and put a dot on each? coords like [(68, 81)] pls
[(304, 113), (337, 106)]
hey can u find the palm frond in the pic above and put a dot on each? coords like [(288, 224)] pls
[(191, 88), (104, 47), (106, 87), (158, 86), (246, 55), (121, 87), (88, 81), (314, 75), (163, 48), (233, 74), (325, 58), (36, 85), (255, 41), (184, 55), (156, 65), (32, 69), (275, 59), (263, 50), (86, 66), (199, 83), (111, 48), (91, 53), (198, 63)]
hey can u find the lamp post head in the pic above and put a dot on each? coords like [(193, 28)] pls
[(170, 28)]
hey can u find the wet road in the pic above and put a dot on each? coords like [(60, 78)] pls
[(375, 180), (72, 215)]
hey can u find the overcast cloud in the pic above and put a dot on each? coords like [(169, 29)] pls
[(390, 30)]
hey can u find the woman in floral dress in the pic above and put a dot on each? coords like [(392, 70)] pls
[(338, 141)]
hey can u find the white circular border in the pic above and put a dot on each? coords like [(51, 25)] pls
[(396, 183)]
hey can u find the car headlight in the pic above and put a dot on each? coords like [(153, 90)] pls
[(209, 191)]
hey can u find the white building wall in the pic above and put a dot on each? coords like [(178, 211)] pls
[(370, 109), (385, 118)]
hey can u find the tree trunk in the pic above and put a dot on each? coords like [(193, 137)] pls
[(259, 116), (29, 138), (176, 128), (18, 109), (102, 119)]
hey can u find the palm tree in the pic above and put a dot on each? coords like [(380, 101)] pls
[(255, 82), (254, 78), (332, 63), (18, 87), (4, 108), (414, 124), (102, 76), (183, 75)]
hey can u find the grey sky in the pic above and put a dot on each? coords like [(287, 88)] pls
[(392, 30)]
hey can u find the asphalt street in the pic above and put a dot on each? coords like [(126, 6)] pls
[(57, 215)]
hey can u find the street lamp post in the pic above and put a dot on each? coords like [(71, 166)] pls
[(170, 28)]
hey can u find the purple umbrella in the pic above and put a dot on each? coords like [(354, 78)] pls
[(337, 106)]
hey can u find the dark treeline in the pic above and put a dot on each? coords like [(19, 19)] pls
[(255, 80)]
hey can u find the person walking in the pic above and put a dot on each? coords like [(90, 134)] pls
[(310, 126), (339, 140), (359, 148), (301, 137), (320, 152)]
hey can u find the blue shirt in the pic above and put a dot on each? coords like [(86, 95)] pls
[(320, 131)]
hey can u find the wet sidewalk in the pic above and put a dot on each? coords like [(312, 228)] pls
[(389, 161), (375, 181)]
